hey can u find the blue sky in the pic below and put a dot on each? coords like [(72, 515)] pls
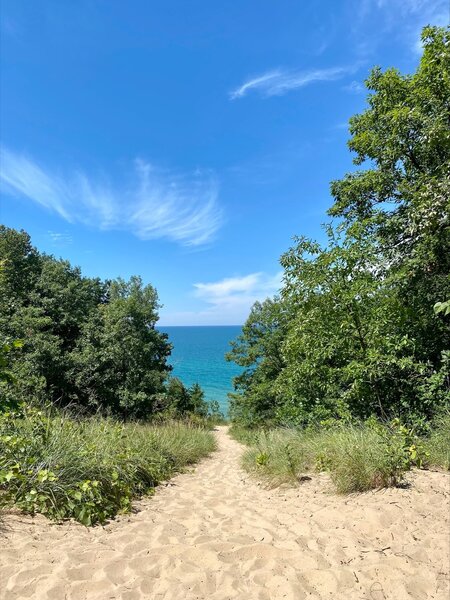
[(187, 142)]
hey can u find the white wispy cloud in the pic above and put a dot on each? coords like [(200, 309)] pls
[(412, 14), (156, 204), (59, 238), (227, 301), (355, 87), (282, 81), (236, 288)]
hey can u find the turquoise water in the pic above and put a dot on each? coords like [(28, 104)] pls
[(198, 357)]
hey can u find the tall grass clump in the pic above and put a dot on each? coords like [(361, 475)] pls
[(89, 469), (244, 435), (357, 457), (278, 456), (362, 458), (438, 442)]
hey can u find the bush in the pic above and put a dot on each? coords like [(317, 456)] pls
[(89, 469)]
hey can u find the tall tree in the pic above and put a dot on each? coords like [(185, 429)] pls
[(404, 194), (120, 359), (362, 335), (258, 351), (85, 342)]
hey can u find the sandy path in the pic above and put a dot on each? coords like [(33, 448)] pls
[(215, 534)]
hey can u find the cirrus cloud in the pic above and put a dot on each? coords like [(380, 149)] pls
[(412, 14), (281, 81), (157, 204)]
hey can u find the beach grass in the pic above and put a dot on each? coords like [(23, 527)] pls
[(90, 469), (438, 443), (357, 457)]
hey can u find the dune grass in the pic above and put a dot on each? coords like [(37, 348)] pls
[(357, 457), (438, 443), (90, 469)]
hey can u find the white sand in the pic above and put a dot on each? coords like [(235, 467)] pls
[(216, 534)]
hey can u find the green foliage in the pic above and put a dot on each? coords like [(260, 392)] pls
[(438, 442), (442, 307), (189, 403), (89, 469), (5, 374), (358, 457), (119, 360), (87, 343), (215, 415), (361, 325), (258, 350), (198, 405)]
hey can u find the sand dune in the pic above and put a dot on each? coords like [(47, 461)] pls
[(216, 534)]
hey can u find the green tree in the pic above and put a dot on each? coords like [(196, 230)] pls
[(120, 358), (85, 342), (258, 350), (47, 314), (179, 401), (20, 264), (403, 197), (347, 352), (198, 404), (360, 334)]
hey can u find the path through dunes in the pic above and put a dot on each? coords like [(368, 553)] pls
[(216, 534)]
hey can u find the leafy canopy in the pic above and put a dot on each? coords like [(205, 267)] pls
[(365, 327)]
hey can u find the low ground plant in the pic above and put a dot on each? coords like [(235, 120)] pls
[(89, 469)]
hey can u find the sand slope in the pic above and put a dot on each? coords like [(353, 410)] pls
[(215, 534)]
